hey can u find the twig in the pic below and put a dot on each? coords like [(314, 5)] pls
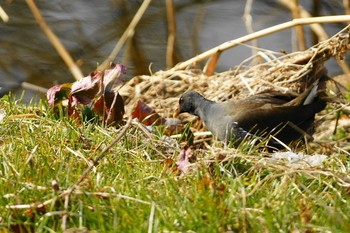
[(248, 19), (300, 32), (171, 33), (33, 87), (65, 215), (74, 69), (127, 33), (346, 4), (151, 218), (3, 15), (230, 44), (77, 192), (98, 158), (210, 66), (244, 208), (317, 29)]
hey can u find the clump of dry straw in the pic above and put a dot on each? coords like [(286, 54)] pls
[(280, 71)]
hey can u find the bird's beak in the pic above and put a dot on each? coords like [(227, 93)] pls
[(176, 113)]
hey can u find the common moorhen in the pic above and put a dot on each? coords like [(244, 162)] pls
[(272, 115)]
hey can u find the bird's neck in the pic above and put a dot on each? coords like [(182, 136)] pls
[(202, 107)]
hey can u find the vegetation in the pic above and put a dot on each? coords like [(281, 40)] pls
[(136, 187), (61, 174)]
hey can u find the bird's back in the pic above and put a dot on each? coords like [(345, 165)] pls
[(262, 114)]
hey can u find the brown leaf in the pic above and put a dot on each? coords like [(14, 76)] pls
[(169, 166), (305, 214), (147, 115), (111, 106), (208, 183), (205, 183), (174, 129), (114, 108)]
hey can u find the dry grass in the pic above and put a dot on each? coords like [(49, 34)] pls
[(285, 72)]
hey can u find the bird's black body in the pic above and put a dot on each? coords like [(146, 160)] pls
[(286, 117)]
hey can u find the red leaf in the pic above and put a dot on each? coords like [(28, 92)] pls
[(72, 111), (146, 114), (112, 106), (86, 89), (99, 106), (58, 93), (106, 99)]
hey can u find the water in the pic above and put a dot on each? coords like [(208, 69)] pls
[(90, 29)]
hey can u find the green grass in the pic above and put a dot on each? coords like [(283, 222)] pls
[(133, 190)]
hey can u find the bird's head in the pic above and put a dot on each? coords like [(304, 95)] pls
[(187, 103)]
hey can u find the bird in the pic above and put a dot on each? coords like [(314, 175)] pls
[(281, 118)]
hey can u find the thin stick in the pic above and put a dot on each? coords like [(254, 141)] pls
[(244, 209), (3, 15), (258, 34), (102, 154), (171, 33), (65, 215), (346, 4), (33, 87), (300, 32), (74, 69), (248, 19), (151, 218), (317, 29), (127, 33)]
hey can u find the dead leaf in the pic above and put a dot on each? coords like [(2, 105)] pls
[(173, 129), (85, 90), (207, 183), (147, 115), (114, 107), (169, 166), (105, 98), (72, 111), (305, 214)]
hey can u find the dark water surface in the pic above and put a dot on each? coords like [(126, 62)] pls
[(90, 29)]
